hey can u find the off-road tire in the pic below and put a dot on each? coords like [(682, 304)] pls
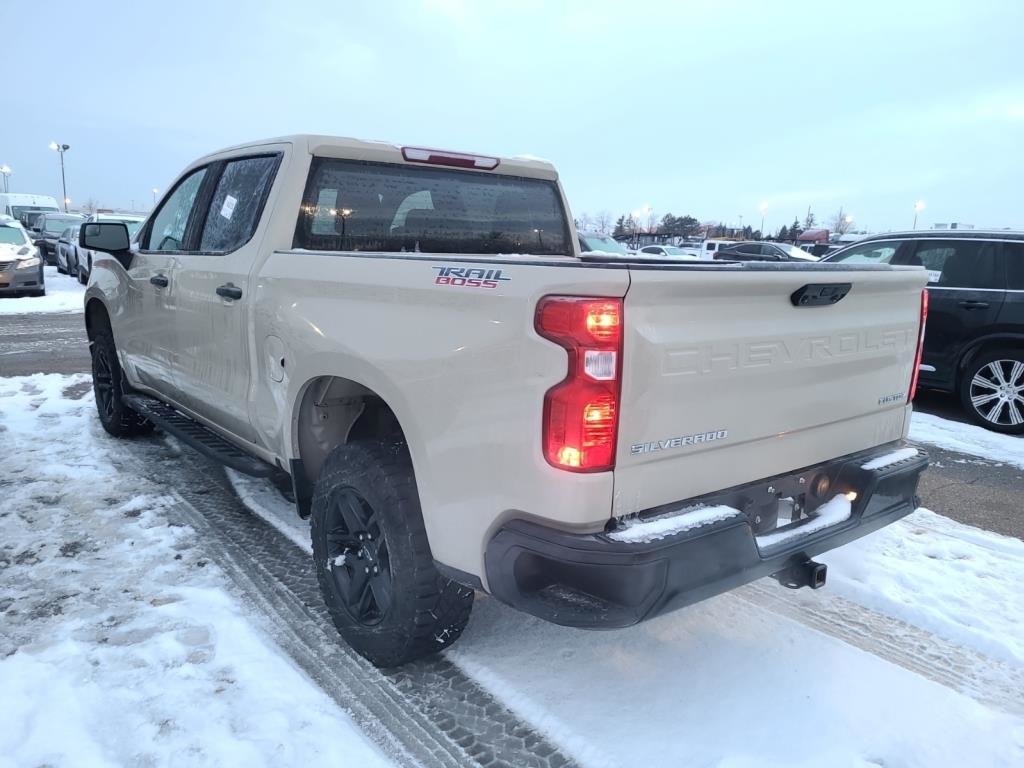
[(427, 611), (108, 386), (1010, 364)]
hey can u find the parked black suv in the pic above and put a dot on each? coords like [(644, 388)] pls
[(974, 340), (46, 230)]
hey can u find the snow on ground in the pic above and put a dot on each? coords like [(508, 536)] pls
[(967, 438), (956, 581), (63, 294), (119, 643), (729, 683)]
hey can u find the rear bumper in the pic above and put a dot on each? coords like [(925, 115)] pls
[(597, 581)]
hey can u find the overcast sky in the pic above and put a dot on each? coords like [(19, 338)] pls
[(705, 108)]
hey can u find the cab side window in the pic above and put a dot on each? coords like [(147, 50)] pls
[(167, 232), (237, 203), (960, 264)]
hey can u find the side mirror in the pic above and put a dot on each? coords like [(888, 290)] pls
[(107, 236)]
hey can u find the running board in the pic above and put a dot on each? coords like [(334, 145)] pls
[(195, 435)]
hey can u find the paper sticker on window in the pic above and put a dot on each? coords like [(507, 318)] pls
[(228, 209), (934, 275)]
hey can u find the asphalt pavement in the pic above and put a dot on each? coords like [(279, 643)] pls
[(976, 491), (43, 343)]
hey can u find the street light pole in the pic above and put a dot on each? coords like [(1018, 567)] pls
[(918, 207), (62, 148), (6, 171), (764, 210), (155, 193)]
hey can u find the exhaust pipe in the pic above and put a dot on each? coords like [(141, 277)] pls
[(805, 574)]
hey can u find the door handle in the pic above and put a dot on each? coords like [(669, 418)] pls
[(160, 281), (972, 304), (229, 291)]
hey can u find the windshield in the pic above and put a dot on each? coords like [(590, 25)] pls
[(604, 243), (12, 235), (54, 225), (796, 253), (17, 211)]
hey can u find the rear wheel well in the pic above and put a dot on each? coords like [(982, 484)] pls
[(335, 410), (985, 347)]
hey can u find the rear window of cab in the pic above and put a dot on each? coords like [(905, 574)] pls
[(361, 206)]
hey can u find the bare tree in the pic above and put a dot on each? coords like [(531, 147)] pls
[(584, 223), (603, 222), (841, 222), (89, 206), (810, 219), (652, 221)]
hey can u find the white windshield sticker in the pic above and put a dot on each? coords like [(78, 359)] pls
[(228, 209), (934, 275)]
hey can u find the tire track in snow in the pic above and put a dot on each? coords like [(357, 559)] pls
[(427, 713), (989, 681)]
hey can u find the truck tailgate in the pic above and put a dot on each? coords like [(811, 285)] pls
[(726, 381)]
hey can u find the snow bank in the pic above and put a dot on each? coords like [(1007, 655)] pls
[(637, 531), (967, 438), (63, 294), (119, 643)]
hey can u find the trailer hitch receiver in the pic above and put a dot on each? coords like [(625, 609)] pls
[(803, 574)]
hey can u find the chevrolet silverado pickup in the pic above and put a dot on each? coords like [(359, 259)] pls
[(464, 402)]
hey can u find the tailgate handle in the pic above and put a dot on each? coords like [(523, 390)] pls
[(820, 294)]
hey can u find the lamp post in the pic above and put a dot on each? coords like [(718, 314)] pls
[(764, 209), (6, 171), (918, 207), (155, 193), (62, 148)]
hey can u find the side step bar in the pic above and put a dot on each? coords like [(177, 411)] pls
[(195, 435)]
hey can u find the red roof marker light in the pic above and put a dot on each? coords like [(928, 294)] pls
[(453, 159)]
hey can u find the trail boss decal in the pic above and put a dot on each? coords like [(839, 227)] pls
[(679, 442), (468, 277)]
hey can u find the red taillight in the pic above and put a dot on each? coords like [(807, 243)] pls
[(453, 159), (581, 413), (920, 346)]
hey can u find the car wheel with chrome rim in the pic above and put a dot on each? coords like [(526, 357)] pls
[(992, 391)]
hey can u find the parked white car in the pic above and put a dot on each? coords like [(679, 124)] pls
[(667, 252)]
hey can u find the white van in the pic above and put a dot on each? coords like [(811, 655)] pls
[(20, 206)]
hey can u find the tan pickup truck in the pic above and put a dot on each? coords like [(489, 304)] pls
[(464, 402)]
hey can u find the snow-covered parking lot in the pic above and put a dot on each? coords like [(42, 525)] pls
[(124, 642), (63, 294)]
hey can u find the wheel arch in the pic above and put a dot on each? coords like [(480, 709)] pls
[(984, 345), (96, 317), (333, 410)]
